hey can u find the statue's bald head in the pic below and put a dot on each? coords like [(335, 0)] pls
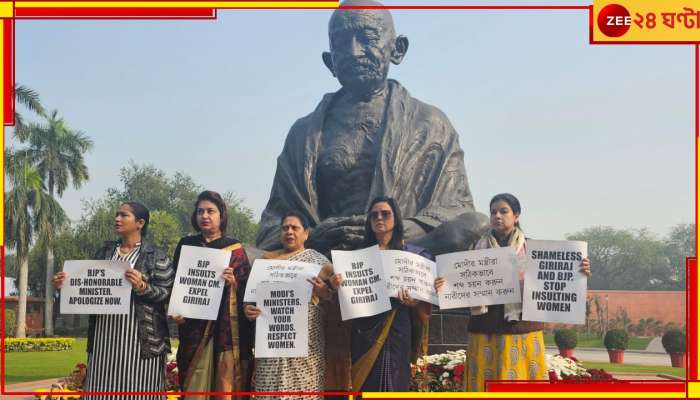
[(363, 44), (357, 17)]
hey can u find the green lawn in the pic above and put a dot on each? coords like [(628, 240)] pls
[(633, 368), (38, 365), (593, 340)]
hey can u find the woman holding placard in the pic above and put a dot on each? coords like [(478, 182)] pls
[(297, 374), (384, 345), (215, 356), (126, 353), (501, 346)]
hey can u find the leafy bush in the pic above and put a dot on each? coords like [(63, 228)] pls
[(565, 338), (10, 322), (38, 344), (616, 339), (674, 341)]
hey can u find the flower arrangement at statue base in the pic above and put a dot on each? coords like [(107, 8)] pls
[(568, 370), (439, 372), (445, 372), (76, 381)]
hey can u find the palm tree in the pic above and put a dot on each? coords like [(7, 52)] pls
[(57, 152), (20, 201), (30, 99)]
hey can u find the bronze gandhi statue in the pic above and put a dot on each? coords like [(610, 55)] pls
[(368, 139)]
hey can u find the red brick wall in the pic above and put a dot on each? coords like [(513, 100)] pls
[(663, 306)]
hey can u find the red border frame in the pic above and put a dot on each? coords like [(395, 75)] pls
[(210, 13)]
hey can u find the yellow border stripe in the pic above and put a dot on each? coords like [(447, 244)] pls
[(6, 9), (529, 395), (180, 4), (693, 389)]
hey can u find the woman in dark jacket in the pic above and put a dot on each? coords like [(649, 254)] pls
[(126, 353)]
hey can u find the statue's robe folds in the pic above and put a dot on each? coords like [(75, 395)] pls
[(420, 164)]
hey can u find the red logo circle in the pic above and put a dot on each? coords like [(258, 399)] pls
[(614, 20)]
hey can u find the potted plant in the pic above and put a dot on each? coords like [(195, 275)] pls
[(674, 344), (566, 340), (616, 342)]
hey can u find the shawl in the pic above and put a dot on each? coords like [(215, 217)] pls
[(517, 241)]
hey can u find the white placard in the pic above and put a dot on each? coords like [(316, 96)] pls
[(406, 270), (282, 329), (278, 271), (95, 287), (555, 290), (363, 292), (199, 284), (479, 278)]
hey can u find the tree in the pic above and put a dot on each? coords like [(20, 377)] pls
[(164, 230), (621, 319), (30, 99), (24, 204), (96, 226), (240, 219), (147, 185), (152, 187), (170, 201), (183, 193), (58, 153), (627, 259), (680, 243)]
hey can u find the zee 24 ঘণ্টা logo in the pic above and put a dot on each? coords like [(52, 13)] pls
[(650, 21)]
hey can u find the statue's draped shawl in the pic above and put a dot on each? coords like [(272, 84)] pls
[(420, 164)]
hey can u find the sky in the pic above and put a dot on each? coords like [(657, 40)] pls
[(582, 134)]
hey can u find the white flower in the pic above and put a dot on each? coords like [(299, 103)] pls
[(173, 355), (564, 366)]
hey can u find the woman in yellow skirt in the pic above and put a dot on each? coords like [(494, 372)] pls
[(501, 346)]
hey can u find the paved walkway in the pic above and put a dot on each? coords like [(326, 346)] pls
[(31, 386), (656, 346), (28, 387)]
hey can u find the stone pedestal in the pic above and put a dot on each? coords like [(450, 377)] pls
[(448, 330)]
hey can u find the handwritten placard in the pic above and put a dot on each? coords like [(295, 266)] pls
[(479, 277), (265, 271), (405, 270)]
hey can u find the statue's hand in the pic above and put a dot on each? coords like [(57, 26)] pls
[(339, 233)]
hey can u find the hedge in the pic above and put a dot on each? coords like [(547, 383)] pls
[(38, 344)]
